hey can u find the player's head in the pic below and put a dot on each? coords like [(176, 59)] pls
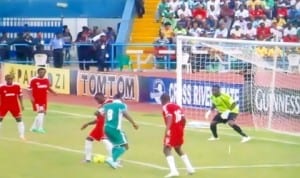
[(164, 98), (41, 72), (100, 98), (9, 79), (216, 90), (118, 96)]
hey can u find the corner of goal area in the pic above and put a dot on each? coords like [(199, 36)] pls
[(198, 124)]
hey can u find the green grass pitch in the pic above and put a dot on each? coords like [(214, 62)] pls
[(58, 153)]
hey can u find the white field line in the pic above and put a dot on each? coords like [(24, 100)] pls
[(61, 148), (198, 130), (154, 166)]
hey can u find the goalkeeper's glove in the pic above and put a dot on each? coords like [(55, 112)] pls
[(206, 116), (225, 114)]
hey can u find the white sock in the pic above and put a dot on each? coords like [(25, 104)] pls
[(187, 163), (40, 120), (21, 128), (171, 163), (108, 146), (88, 148), (35, 123)]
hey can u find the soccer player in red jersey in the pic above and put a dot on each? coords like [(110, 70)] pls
[(39, 87), (11, 101), (97, 133), (174, 135)]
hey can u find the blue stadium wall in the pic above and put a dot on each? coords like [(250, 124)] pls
[(75, 9)]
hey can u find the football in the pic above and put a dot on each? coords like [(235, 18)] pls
[(99, 158)]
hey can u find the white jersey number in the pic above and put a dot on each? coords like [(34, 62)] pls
[(178, 116), (109, 115)]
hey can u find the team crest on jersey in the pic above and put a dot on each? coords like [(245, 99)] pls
[(158, 88)]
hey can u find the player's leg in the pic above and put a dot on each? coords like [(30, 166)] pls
[(213, 127), (170, 160), (88, 149), (108, 146), (3, 112), (119, 141), (1, 119), (169, 143), (176, 140), (231, 123), (185, 159), (16, 113), (21, 127), (38, 124)]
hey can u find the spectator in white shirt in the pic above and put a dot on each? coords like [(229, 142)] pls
[(250, 32), (213, 17), (221, 32), (276, 33), (236, 32), (242, 12), (196, 31), (289, 30), (184, 10), (215, 3), (265, 20), (174, 5), (240, 22)]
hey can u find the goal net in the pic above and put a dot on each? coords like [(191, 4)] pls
[(262, 77)]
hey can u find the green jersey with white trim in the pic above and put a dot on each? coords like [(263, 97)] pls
[(113, 113), (223, 102)]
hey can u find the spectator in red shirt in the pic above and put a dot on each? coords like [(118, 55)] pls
[(263, 32), (282, 10), (257, 12), (199, 12), (290, 38)]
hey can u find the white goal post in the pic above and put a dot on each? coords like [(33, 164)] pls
[(263, 77)]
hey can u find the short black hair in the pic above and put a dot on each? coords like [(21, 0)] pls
[(41, 68), (216, 86), (99, 94), (118, 96), (165, 97)]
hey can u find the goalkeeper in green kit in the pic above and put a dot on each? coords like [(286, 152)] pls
[(227, 112)]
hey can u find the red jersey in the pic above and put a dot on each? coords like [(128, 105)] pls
[(9, 94), (175, 112), (39, 88), (98, 133)]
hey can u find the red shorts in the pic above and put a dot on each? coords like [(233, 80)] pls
[(98, 133), (39, 106), (174, 138), (14, 110)]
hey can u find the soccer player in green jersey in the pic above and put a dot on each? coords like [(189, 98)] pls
[(113, 113), (227, 111)]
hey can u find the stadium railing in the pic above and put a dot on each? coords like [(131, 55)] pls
[(157, 55)]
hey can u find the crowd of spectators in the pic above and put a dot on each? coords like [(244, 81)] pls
[(237, 19), (93, 47), (261, 20)]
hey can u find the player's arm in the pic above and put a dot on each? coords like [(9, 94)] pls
[(207, 114), (88, 123), (129, 118), (21, 101), (233, 105), (52, 91), (169, 122)]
